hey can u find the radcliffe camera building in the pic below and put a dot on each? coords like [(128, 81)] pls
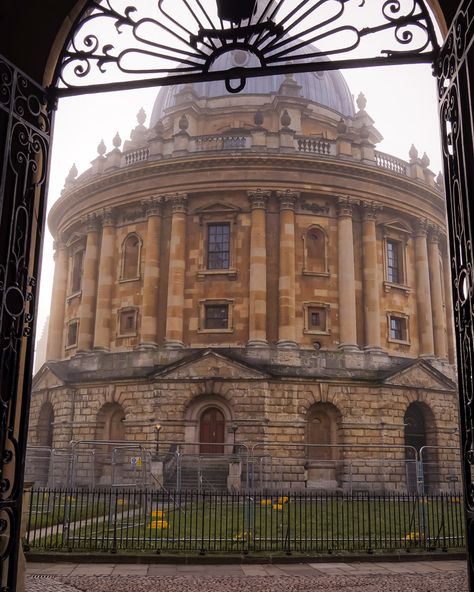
[(250, 269)]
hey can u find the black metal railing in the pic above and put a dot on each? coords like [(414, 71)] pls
[(120, 520)]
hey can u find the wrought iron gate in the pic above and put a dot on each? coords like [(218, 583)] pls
[(25, 127), (455, 70)]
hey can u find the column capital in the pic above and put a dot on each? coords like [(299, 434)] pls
[(91, 222), (107, 217), (288, 199), (421, 227), (370, 209), (434, 233), (179, 202), (59, 244), (153, 205), (258, 199), (345, 205)]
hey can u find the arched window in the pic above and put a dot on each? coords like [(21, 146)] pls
[(212, 431), (77, 269), (315, 251), (44, 430), (131, 257)]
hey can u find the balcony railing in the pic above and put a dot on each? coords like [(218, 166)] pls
[(391, 163)]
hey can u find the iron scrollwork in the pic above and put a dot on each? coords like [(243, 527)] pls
[(114, 45), (26, 118), (456, 113)]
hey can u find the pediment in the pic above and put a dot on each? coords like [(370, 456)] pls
[(216, 208), (420, 375), (210, 365), (45, 379)]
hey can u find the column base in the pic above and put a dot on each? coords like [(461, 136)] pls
[(374, 349), (173, 344), (146, 345), (287, 344), (253, 343), (349, 347)]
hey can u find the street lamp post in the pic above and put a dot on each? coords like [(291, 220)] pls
[(157, 449)]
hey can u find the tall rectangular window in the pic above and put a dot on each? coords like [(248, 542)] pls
[(72, 330), (77, 268), (394, 262), (216, 316), (218, 246)]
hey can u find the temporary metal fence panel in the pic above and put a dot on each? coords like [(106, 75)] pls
[(130, 519)]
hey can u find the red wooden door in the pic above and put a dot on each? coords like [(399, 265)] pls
[(212, 431)]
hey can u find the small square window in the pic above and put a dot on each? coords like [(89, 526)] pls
[(398, 328), (316, 319), (127, 322), (216, 316), (72, 331)]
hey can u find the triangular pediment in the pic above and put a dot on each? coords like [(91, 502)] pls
[(216, 208), (45, 378), (420, 374), (210, 365)]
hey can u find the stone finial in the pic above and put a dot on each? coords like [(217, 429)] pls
[(341, 126), (101, 148), (72, 175), (413, 153), (258, 118), (425, 161), (285, 119), (183, 123), (440, 179), (361, 101), (117, 141), (141, 116)]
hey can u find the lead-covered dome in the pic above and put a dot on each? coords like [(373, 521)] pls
[(327, 88)]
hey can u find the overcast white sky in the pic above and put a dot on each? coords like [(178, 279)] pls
[(401, 100)]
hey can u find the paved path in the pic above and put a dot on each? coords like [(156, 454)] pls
[(415, 576)]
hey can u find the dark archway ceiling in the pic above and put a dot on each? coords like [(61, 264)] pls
[(28, 29)]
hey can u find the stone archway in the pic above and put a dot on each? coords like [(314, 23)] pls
[(322, 437), (420, 434)]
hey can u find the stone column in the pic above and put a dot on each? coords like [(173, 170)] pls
[(149, 325), (54, 350), (439, 317), (258, 270), (346, 275), (106, 277), (286, 281), (423, 296), (370, 277), (176, 272), (89, 286)]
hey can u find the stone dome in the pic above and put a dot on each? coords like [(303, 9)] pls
[(328, 88)]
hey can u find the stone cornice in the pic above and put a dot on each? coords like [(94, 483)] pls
[(279, 162)]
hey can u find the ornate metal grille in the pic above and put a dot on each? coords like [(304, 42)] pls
[(115, 44), (455, 69), (26, 123)]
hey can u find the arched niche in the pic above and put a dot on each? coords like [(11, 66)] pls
[(45, 425)]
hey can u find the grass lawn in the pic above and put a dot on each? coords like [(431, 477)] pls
[(300, 523)]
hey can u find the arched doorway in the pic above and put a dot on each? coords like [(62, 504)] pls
[(211, 431), (45, 427), (419, 434), (458, 151), (109, 459), (322, 454)]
